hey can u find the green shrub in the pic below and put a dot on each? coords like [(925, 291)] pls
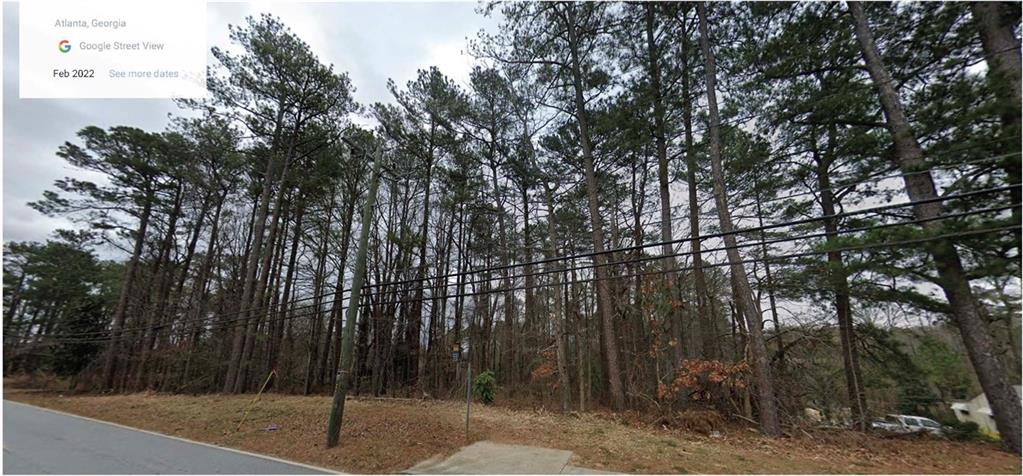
[(963, 431), (484, 386)]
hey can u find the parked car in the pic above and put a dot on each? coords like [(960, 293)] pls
[(908, 424), (886, 425)]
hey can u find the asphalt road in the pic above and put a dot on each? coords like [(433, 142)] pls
[(37, 441)]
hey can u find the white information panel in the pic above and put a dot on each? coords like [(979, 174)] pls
[(112, 49)]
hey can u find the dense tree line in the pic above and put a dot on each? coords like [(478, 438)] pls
[(724, 178)]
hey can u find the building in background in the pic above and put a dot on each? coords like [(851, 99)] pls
[(978, 411)]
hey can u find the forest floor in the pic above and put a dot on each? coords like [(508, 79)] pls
[(390, 435)]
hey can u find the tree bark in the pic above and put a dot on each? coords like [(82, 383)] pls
[(335, 312), (744, 299), (604, 303), (840, 284), (160, 287), (319, 277), (530, 330), (909, 157), (996, 22), (199, 289), (661, 143), (259, 224), (707, 325), (126, 288), (507, 350), (559, 314), (416, 362), (258, 308)]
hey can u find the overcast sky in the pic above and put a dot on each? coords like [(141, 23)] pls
[(371, 41)]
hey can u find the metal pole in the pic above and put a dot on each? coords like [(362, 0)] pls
[(468, 386), (337, 406)]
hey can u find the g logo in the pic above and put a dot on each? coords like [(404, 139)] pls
[(64, 46)]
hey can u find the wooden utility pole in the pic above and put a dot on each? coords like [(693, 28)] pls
[(337, 407)]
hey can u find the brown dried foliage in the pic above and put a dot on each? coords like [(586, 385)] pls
[(701, 377)]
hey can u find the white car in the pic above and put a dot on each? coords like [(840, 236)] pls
[(908, 424)]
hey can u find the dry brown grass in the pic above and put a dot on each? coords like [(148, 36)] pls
[(381, 436), (703, 422), (34, 382)]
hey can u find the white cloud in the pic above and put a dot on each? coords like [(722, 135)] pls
[(452, 60), (372, 41)]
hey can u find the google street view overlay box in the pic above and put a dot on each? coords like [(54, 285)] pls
[(112, 49)]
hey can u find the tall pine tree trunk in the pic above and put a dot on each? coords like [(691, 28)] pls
[(200, 290), (661, 143), (707, 325), (252, 263), (605, 306), (744, 298), (258, 307), (335, 312), (126, 288), (161, 288), (312, 378), (506, 349), (909, 157), (416, 358), (996, 22), (564, 387), (840, 284)]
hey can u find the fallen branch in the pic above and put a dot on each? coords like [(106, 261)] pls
[(747, 419)]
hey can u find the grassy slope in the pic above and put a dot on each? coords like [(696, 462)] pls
[(389, 436)]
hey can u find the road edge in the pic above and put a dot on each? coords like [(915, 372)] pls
[(186, 440)]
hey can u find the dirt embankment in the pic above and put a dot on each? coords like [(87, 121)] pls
[(386, 436)]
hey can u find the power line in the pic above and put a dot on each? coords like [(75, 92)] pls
[(866, 246), (716, 235), (813, 192), (260, 310), (257, 310), (446, 277), (854, 183), (435, 287)]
